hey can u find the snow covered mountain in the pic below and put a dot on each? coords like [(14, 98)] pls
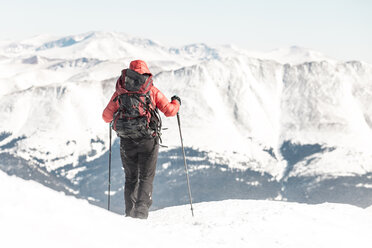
[(231, 223), (255, 125)]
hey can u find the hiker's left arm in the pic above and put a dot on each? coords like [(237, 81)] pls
[(168, 108)]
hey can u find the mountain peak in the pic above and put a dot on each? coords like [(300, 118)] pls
[(295, 55)]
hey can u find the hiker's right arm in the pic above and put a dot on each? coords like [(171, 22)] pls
[(111, 108)]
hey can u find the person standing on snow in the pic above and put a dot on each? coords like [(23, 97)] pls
[(133, 113)]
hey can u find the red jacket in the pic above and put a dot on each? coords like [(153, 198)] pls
[(157, 98)]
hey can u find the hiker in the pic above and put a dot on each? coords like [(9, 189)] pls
[(133, 113)]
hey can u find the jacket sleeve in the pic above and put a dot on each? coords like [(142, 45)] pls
[(111, 108), (168, 108)]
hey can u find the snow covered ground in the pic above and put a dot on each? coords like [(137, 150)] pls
[(32, 215)]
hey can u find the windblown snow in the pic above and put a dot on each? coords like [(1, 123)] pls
[(39, 217)]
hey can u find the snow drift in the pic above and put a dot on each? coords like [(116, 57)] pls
[(62, 221)]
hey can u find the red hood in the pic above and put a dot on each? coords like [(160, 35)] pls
[(139, 66)]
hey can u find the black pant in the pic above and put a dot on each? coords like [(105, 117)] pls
[(139, 159)]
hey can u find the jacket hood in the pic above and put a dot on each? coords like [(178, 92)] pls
[(139, 66), (135, 79)]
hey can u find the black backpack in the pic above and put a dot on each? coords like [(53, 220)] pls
[(137, 117)]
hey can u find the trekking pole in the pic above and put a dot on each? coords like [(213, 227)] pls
[(109, 177), (184, 161)]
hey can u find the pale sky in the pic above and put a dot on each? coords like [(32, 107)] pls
[(338, 28)]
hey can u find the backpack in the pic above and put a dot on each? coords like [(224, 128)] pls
[(137, 117)]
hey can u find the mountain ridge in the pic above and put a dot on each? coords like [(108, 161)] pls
[(265, 125)]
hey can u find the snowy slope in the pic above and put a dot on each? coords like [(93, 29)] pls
[(26, 206), (72, 94), (279, 121)]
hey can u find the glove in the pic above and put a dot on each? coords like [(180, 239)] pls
[(176, 98)]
